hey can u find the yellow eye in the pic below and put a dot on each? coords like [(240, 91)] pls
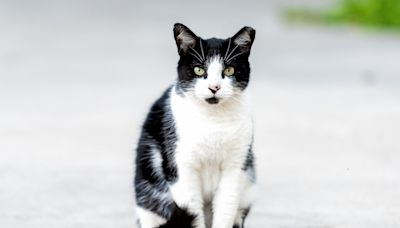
[(229, 71), (199, 71)]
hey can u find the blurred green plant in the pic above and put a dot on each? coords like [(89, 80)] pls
[(371, 13)]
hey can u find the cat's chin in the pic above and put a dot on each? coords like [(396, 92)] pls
[(212, 100)]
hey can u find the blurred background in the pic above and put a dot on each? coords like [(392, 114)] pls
[(77, 78)]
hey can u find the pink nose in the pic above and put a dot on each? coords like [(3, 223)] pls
[(214, 89)]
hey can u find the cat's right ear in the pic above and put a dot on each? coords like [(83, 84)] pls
[(184, 38)]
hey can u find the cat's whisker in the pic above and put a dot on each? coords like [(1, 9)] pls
[(201, 47), (231, 58), (197, 53), (196, 56), (233, 50), (227, 50)]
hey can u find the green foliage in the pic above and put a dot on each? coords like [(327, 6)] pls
[(373, 13)]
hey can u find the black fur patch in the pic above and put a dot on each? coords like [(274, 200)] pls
[(180, 218), (244, 215), (249, 164), (245, 212), (158, 136)]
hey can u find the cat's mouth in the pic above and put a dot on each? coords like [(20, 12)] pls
[(212, 100)]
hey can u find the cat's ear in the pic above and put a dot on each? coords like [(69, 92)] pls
[(184, 38), (244, 38)]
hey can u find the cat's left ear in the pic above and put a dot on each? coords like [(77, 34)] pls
[(184, 38), (244, 38)]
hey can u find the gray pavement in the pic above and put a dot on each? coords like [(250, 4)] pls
[(77, 78)]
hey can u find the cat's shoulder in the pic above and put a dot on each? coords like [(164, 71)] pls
[(163, 101), (159, 110)]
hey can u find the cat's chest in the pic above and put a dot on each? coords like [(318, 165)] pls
[(210, 131), (211, 135)]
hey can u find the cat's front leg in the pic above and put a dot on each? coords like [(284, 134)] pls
[(186, 192), (227, 199)]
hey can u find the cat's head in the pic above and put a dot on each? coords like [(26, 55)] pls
[(213, 70)]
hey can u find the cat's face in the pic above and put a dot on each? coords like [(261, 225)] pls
[(213, 70)]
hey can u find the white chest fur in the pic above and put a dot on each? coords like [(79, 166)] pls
[(211, 137)]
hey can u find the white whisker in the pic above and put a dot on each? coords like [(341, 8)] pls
[(227, 50), (197, 53), (197, 57), (201, 47), (231, 58), (232, 51)]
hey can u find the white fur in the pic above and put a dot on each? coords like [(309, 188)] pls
[(213, 141), (149, 219), (157, 161), (214, 78), (214, 72)]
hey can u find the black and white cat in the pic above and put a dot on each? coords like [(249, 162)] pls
[(194, 164)]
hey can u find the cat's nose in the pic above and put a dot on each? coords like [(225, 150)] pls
[(214, 89)]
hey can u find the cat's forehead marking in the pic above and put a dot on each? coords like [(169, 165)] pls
[(214, 59), (214, 67)]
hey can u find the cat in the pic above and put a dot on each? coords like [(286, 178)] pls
[(194, 162)]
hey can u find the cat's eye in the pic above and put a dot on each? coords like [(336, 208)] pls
[(229, 71), (199, 71)]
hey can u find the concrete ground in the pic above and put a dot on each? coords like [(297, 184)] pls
[(77, 78)]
